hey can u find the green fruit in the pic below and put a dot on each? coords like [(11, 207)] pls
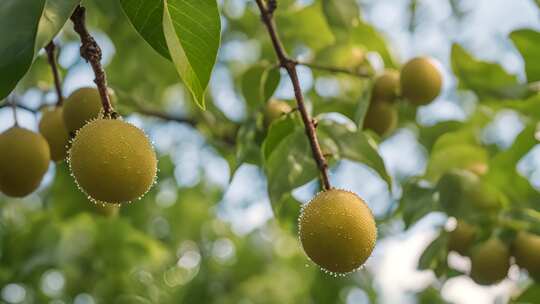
[(386, 87), (275, 109), (486, 197), (490, 262), (112, 161), (80, 107), (461, 238), (421, 81), (381, 117), (337, 231), (24, 160), (454, 188), (526, 250), (54, 130)]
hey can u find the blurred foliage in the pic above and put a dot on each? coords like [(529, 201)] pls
[(172, 246)]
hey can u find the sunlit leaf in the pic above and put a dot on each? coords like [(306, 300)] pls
[(416, 202), (487, 80), (186, 31), (25, 27), (528, 44), (259, 84), (353, 145), (342, 13), (292, 27)]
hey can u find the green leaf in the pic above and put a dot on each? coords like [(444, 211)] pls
[(504, 175), (306, 26), (259, 84), (366, 35), (55, 14), (434, 256), (288, 164), (487, 80), (455, 150), (527, 107), (429, 135), (529, 295), (247, 145), (343, 13), (343, 141), (186, 31), (528, 44), (146, 17), (430, 295), (25, 27), (278, 131), (416, 202)]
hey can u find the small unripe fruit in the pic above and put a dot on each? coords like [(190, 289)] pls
[(381, 117), (490, 262), (112, 161), (421, 81), (275, 109), (386, 87), (454, 188), (54, 130), (24, 159), (526, 250), (80, 107), (337, 231), (461, 238), (486, 197)]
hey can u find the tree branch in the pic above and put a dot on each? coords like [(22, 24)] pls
[(52, 62), (91, 52), (290, 65), (18, 105), (360, 72), (165, 116)]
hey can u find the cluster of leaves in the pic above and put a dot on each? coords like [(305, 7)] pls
[(465, 146)]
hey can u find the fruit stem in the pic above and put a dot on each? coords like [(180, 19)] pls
[(289, 65), (91, 52), (50, 48)]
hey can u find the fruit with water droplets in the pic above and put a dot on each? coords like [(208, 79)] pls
[(526, 250), (337, 231), (52, 127), (386, 87), (421, 81), (275, 109), (112, 161), (490, 262), (24, 160), (461, 238), (80, 107), (381, 117)]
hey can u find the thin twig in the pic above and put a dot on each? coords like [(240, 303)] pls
[(360, 72), (50, 48), (290, 65), (12, 103), (14, 110), (165, 116), (91, 52)]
